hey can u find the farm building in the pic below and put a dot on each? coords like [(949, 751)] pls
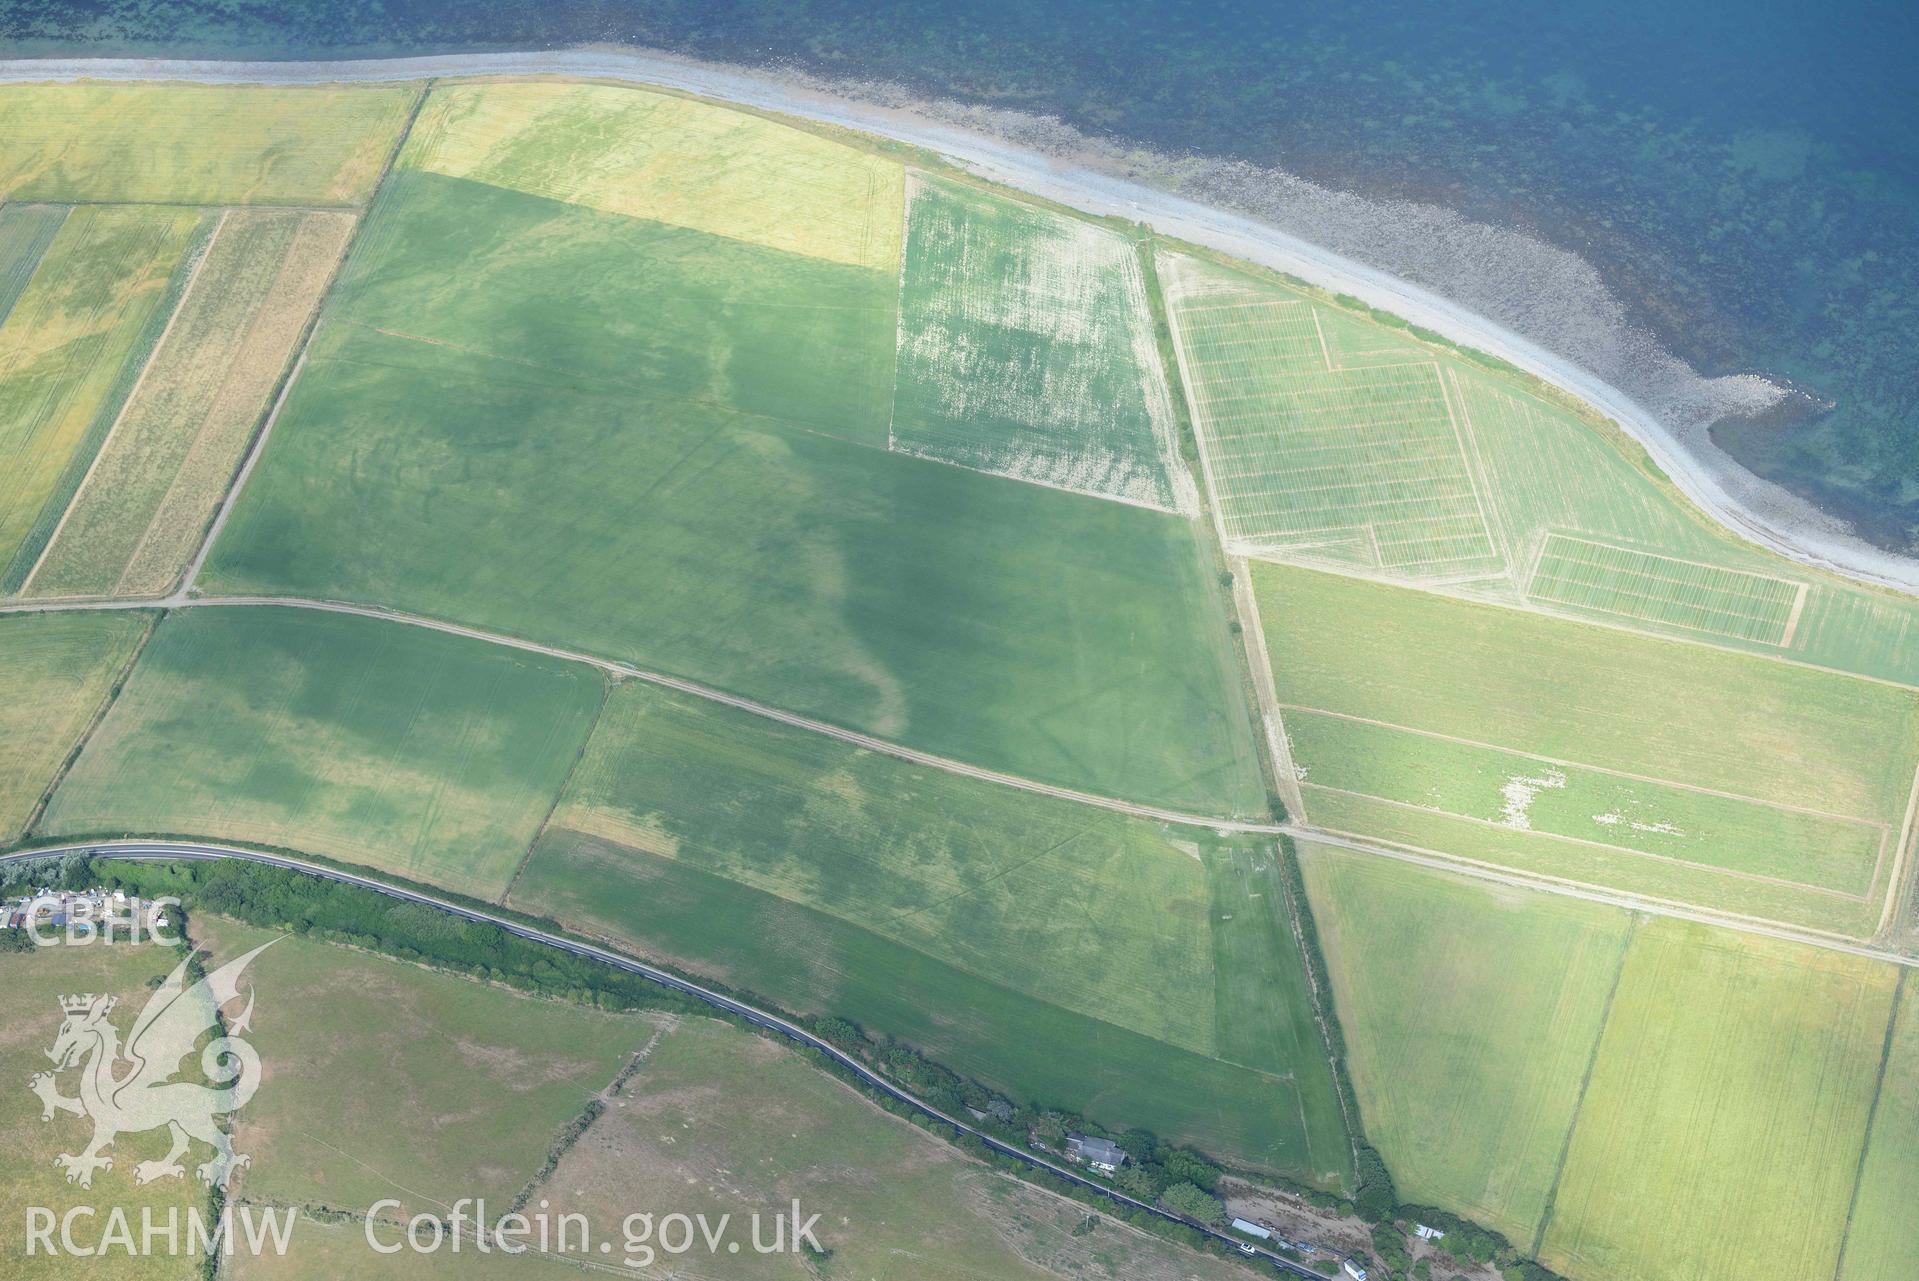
[(1252, 1229), (1101, 1154)]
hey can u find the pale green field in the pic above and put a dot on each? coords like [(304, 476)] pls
[(1721, 1131), (64, 347), (812, 962), (1353, 341), (57, 671), (1579, 803), (1880, 1242), (198, 144), (1026, 349), (1591, 864), (387, 1080), (1548, 471), (1551, 472), (431, 756), (671, 160), (137, 518), (1635, 586), (1543, 704), (1334, 438), (1260, 997), (30, 1018), (1357, 464), (519, 286), (1471, 1014)]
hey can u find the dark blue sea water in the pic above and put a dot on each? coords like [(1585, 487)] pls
[(1745, 174)]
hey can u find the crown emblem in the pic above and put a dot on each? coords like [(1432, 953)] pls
[(176, 1017)]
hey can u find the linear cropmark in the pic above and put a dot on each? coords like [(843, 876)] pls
[(1645, 587)]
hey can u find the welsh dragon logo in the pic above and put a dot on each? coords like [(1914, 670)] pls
[(130, 1090)]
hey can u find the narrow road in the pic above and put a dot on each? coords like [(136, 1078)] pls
[(1299, 831), (628, 671), (167, 851)]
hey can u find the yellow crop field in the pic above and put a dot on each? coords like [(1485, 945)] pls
[(64, 345), (1880, 1242), (1720, 1135), (1470, 1013), (55, 671), (673, 160), (198, 144), (396, 747), (139, 513)]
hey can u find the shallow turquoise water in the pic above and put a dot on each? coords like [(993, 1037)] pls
[(1745, 174)]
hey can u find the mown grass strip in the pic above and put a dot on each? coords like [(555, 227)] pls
[(1585, 1083)]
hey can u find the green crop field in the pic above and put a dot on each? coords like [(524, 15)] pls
[(1262, 1001), (1548, 473), (1880, 1243), (30, 1018), (1078, 907), (473, 1082), (139, 514), (1026, 349), (811, 961), (1720, 1135), (721, 325), (65, 353), (57, 671), (1607, 867), (1471, 1014), (1095, 926), (1555, 746), (428, 755), (197, 144), (675, 494)]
